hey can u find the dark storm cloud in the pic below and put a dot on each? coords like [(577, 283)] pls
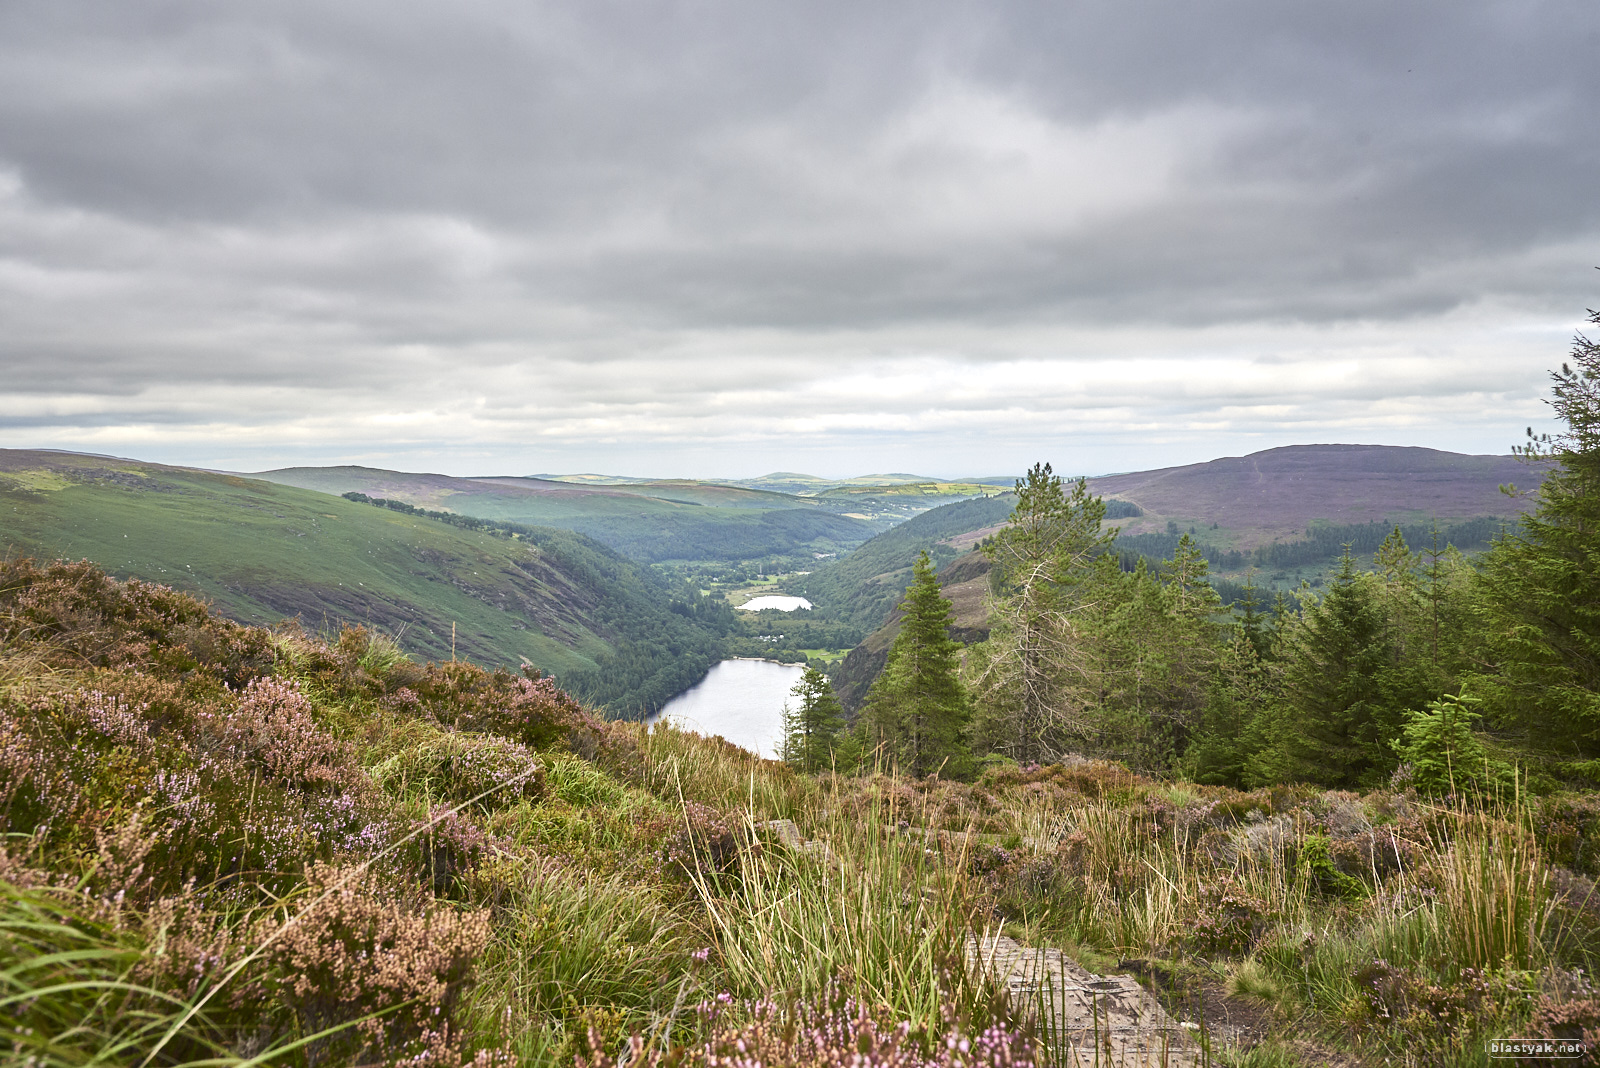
[(557, 223)]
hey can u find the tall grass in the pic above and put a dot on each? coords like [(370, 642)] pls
[(70, 995), (681, 764), (596, 949), (1494, 904), (877, 912)]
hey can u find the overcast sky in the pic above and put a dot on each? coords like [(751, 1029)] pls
[(708, 238)]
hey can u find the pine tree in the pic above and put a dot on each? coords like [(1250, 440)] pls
[(1444, 755), (1539, 588), (811, 730), (1128, 628), (1252, 624), (1240, 690), (1193, 631), (1035, 663), (1340, 680), (917, 709)]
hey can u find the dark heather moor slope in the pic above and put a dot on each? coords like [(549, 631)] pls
[(1280, 492)]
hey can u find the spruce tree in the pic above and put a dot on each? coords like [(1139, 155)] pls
[(1239, 693), (1444, 754), (1348, 695), (918, 709), (1539, 587), (1193, 632), (811, 729), (1253, 625)]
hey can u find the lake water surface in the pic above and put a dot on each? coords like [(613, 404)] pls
[(774, 600), (742, 700)]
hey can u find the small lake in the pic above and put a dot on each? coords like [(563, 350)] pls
[(742, 700), (772, 600)]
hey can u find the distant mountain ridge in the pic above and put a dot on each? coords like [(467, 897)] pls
[(650, 522), (1278, 493), (661, 519)]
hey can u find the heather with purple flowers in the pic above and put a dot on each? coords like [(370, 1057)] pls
[(273, 727), (831, 1032), (320, 841)]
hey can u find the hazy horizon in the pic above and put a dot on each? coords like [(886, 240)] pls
[(713, 477)]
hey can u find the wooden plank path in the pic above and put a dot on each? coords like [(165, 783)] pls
[(1093, 1021)]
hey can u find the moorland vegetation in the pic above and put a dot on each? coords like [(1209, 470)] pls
[(230, 845)]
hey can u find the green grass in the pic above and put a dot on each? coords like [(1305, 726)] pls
[(659, 521), (569, 949), (829, 655), (877, 907), (263, 552), (71, 996)]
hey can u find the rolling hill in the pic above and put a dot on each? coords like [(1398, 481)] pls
[(261, 552), (1285, 512), (802, 484), (1280, 493), (864, 587), (652, 521)]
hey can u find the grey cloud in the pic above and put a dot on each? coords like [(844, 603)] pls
[(518, 212)]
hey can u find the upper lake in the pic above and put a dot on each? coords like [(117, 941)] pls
[(772, 600), (742, 700)]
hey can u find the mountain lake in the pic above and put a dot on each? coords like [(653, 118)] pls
[(742, 700), (773, 600)]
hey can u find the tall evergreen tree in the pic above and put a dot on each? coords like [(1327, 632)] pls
[(1348, 693), (917, 709), (1252, 623), (1235, 716), (1539, 588), (1154, 638), (812, 727), (1034, 665), (1193, 631)]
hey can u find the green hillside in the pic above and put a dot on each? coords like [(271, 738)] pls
[(863, 588), (263, 552), (652, 522), (676, 491), (797, 483), (910, 489)]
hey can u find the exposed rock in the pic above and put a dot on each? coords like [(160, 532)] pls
[(1092, 1020)]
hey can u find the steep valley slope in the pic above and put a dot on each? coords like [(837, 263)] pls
[(262, 552)]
